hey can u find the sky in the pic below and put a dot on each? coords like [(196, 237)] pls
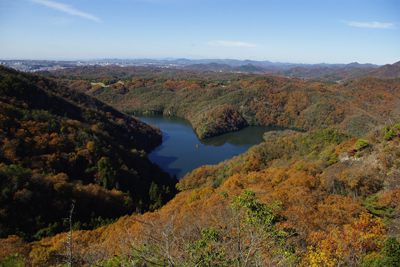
[(297, 31)]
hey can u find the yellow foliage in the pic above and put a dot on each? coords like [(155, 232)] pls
[(346, 245), (90, 145)]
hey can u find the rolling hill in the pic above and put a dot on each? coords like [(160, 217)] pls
[(215, 103), (322, 191)]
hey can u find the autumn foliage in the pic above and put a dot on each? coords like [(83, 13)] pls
[(279, 204), (328, 196), (58, 145), (235, 100)]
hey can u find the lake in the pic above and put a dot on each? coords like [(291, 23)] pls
[(181, 151)]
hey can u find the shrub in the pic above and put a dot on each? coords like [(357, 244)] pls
[(391, 131), (13, 260), (361, 144), (388, 257)]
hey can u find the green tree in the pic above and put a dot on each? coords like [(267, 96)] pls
[(155, 196), (256, 213), (207, 251), (13, 260), (256, 230), (389, 256), (106, 173)]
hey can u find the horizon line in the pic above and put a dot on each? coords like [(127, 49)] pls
[(194, 59)]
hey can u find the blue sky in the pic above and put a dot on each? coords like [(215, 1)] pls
[(307, 31)]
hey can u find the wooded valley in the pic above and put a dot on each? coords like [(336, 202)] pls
[(323, 190)]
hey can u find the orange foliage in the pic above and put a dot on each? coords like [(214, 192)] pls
[(347, 245)]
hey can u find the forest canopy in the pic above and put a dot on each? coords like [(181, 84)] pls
[(57, 146), (216, 103)]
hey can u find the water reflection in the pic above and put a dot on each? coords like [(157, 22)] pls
[(181, 150)]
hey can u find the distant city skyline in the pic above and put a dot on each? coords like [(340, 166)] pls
[(303, 31)]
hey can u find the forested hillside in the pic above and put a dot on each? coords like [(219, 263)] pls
[(327, 195), (59, 146), (199, 133), (320, 198), (215, 103)]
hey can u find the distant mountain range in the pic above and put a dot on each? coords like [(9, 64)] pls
[(387, 71), (322, 71)]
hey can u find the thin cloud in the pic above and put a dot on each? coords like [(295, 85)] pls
[(371, 24), (225, 43), (67, 9)]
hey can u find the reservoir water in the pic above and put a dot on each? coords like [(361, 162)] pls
[(181, 151)]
